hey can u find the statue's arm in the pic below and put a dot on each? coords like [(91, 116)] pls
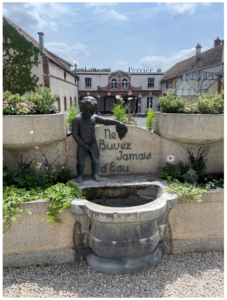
[(106, 121), (75, 133)]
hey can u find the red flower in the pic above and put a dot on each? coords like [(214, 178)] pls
[(75, 157), (31, 106), (61, 162), (19, 107)]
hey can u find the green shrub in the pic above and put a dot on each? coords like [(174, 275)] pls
[(150, 120), (39, 172), (60, 196), (185, 191), (43, 101), (170, 172), (72, 111), (119, 112), (211, 103), (190, 176), (198, 163), (171, 103)]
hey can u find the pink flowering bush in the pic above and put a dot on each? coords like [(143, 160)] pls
[(15, 105), (35, 103)]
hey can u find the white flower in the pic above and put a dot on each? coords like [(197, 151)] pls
[(130, 98), (118, 97), (31, 132)]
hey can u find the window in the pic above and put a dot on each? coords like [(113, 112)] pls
[(87, 82), (59, 103), (170, 85), (149, 102), (71, 101), (75, 100), (65, 103), (124, 83), (113, 84), (64, 75), (150, 82)]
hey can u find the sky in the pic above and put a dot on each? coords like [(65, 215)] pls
[(121, 35)]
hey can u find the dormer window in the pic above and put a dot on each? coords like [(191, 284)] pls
[(113, 83), (124, 83)]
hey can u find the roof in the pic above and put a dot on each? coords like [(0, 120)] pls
[(208, 58), (51, 55)]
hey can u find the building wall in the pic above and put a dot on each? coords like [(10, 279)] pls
[(142, 80), (59, 72), (96, 80), (175, 84), (144, 103), (63, 89)]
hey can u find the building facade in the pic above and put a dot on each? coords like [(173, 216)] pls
[(53, 72), (199, 74), (105, 86)]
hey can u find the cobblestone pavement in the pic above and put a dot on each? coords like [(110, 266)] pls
[(198, 275)]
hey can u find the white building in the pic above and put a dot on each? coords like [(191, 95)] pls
[(104, 86), (54, 72)]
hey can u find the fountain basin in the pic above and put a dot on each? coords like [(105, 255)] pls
[(127, 224)]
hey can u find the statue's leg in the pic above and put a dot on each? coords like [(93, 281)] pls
[(81, 158), (95, 161)]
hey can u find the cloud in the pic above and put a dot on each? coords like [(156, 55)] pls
[(166, 62), (38, 15), (102, 10), (181, 9), (67, 52)]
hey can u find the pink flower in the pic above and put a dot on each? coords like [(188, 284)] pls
[(36, 147), (61, 162), (31, 106), (25, 109), (65, 152), (19, 107), (191, 148), (42, 73), (23, 104), (33, 81), (136, 98), (170, 158), (139, 104), (63, 167), (11, 105), (5, 102), (187, 99), (188, 106), (75, 157)]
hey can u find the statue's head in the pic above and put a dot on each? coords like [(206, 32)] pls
[(88, 105)]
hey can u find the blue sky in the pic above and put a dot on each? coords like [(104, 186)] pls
[(121, 35)]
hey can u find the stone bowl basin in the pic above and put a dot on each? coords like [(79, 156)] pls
[(127, 224)]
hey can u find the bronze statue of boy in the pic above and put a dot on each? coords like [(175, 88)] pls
[(83, 131)]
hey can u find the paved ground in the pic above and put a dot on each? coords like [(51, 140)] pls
[(194, 275)]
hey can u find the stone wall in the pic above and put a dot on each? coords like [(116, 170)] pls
[(195, 227), (140, 152)]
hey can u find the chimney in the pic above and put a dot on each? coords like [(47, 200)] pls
[(217, 42), (41, 42), (75, 67), (198, 52)]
